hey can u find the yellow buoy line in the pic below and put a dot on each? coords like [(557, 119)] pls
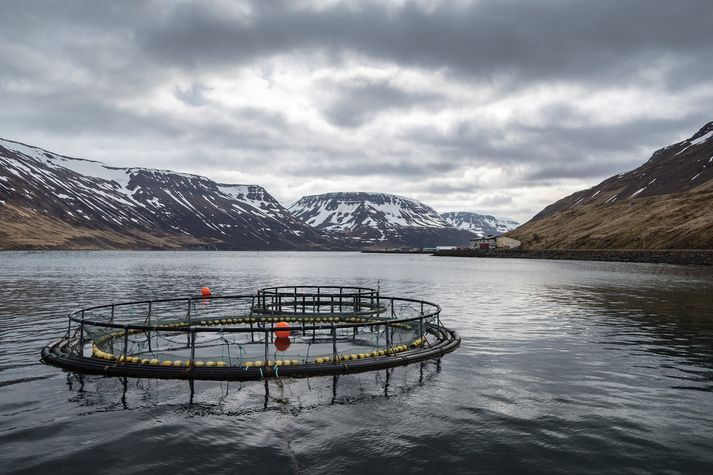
[(231, 321), (99, 354), (327, 333)]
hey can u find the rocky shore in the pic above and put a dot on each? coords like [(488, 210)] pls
[(682, 257)]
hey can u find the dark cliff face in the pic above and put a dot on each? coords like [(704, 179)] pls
[(678, 168), (378, 220), (89, 195)]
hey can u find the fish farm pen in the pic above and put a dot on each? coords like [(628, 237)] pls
[(296, 331)]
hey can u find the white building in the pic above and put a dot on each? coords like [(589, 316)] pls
[(494, 242), (504, 242), (485, 242)]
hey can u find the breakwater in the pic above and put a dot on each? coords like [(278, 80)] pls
[(682, 257)]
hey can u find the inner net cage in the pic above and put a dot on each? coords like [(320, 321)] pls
[(291, 331)]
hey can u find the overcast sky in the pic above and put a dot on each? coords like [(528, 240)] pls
[(491, 106)]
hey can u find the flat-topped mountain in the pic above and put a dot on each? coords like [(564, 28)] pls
[(53, 201), (663, 204), (378, 220), (479, 224)]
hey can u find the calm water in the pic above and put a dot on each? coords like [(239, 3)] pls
[(565, 367)]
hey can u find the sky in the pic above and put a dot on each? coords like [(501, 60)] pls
[(493, 106)]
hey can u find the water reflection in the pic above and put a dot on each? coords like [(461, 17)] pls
[(230, 398), (565, 367), (673, 324)]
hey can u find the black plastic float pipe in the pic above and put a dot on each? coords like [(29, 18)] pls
[(55, 354)]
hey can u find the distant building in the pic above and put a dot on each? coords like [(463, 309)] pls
[(486, 242), (446, 248), (507, 242), (494, 242)]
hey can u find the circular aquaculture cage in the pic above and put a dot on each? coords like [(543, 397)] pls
[(293, 331)]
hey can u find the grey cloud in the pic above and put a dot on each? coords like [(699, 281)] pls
[(193, 96), (79, 68), (355, 164), (586, 41), (78, 112), (556, 149), (356, 104)]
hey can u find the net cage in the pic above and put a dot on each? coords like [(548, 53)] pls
[(278, 331)]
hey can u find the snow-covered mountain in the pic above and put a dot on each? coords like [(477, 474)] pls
[(378, 219), (479, 224), (50, 200)]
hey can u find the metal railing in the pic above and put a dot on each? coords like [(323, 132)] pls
[(327, 311)]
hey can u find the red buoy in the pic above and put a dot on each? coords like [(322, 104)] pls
[(205, 292), (283, 333), (282, 344)]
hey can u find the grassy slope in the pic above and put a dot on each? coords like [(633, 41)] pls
[(22, 228), (676, 221)]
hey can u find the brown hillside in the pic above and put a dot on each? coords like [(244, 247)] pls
[(22, 228), (674, 221)]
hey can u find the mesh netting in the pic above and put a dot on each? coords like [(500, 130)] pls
[(324, 324)]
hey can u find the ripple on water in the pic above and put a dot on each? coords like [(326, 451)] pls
[(565, 367)]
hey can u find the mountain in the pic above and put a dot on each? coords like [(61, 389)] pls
[(663, 204), (53, 201), (378, 220), (479, 224)]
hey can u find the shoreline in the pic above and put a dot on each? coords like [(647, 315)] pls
[(384, 251), (701, 257)]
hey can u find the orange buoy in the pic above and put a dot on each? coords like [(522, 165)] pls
[(205, 292), (282, 344), (283, 333)]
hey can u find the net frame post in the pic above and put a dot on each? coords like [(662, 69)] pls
[(80, 349), (334, 343), (126, 341), (388, 335), (193, 347), (266, 347)]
